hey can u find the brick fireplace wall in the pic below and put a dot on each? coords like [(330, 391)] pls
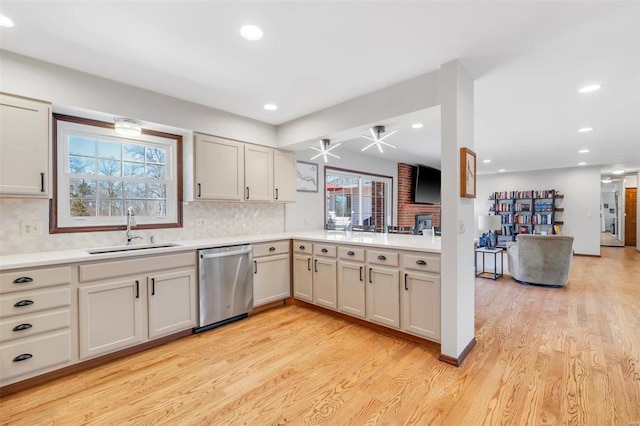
[(407, 210)]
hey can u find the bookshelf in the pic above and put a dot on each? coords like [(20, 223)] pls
[(526, 212)]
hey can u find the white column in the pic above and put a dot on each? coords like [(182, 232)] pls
[(457, 214)]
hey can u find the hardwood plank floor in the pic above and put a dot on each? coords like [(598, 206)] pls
[(544, 356)]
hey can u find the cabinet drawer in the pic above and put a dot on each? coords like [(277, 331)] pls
[(349, 253), (266, 249), (121, 268), (324, 250), (379, 257), (44, 351), (302, 247), (422, 262), (32, 301), (19, 326), (34, 278)]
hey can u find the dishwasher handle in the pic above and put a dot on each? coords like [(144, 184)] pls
[(225, 254)]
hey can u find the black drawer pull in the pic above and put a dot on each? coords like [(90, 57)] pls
[(247, 192), (255, 266), (272, 249), (324, 250), (22, 327), (137, 289), (381, 257), (199, 190), (301, 247), (361, 268), (23, 280), (276, 193), (23, 303), (41, 182), (350, 253), (153, 286), (370, 276), (315, 265), (421, 262), (22, 357), (406, 287), (309, 264)]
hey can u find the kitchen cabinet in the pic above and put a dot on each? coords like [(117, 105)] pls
[(325, 285), (271, 272), (383, 292), (258, 173), (284, 176), (25, 147), (351, 281), (302, 270), (172, 302), (420, 301), (219, 169)]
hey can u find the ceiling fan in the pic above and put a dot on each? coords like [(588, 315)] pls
[(378, 141), (324, 150)]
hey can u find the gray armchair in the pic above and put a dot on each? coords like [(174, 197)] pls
[(541, 259)]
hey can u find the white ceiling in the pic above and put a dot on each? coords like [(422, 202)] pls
[(527, 59)]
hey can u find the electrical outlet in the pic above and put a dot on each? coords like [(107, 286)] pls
[(31, 228), (200, 222), (461, 227)]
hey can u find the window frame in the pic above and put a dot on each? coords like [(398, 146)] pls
[(143, 222)]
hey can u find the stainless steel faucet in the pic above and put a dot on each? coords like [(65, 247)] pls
[(131, 221)]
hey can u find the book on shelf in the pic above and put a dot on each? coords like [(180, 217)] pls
[(524, 230)]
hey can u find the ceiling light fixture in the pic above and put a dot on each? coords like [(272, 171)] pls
[(324, 150), (486, 161), (582, 163), (251, 32), (417, 126), (585, 129), (378, 141), (127, 126), (583, 151), (590, 88), (617, 172), (606, 180), (5, 22), (270, 107), (502, 170)]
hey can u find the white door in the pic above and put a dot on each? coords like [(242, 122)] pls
[(284, 176), (303, 277), (325, 283), (219, 170), (351, 288), (258, 173), (421, 305), (271, 280), (383, 296), (172, 302)]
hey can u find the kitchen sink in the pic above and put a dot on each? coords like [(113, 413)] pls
[(131, 248)]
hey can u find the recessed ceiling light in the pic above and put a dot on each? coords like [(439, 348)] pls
[(417, 126), (583, 151), (590, 88), (270, 107), (502, 170), (585, 129), (5, 22), (606, 180), (582, 163), (617, 172), (251, 32), (486, 161)]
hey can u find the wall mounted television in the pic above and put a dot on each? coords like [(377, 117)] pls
[(426, 185)]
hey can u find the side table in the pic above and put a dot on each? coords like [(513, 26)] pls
[(496, 252)]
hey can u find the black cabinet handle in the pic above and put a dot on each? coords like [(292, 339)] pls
[(41, 182), (324, 250), (315, 265), (276, 193), (308, 264), (199, 190), (247, 192), (361, 268), (137, 289), (22, 357), (350, 253), (301, 247), (23, 280), (22, 303), (405, 281), (381, 257), (272, 249), (22, 327), (255, 266), (421, 262), (153, 286), (370, 276)]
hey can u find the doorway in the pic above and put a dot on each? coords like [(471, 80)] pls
[(610, 202), (630, 216)]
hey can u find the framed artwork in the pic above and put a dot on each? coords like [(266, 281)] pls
[(306, 177), (467, 173), (606, 206)]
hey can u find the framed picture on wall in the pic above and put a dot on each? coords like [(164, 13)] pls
[(306, 177), (606, 206), (467, 173)]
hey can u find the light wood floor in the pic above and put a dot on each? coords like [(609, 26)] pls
[(544, 356)]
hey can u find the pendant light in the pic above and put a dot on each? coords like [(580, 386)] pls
[(324, 150), (378, 141)]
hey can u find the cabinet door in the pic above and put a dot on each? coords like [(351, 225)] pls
[(258, 173), (383, 296), (25, 146), (172, 302), (111, 316), (219, 169), (284, 177), (302, 277), (351, 288), (271, 280), (421, 305), (325, 283)]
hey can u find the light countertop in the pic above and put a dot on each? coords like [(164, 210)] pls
[(389, 241)]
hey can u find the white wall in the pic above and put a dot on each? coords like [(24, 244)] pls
[(307, 213), (581, 189)]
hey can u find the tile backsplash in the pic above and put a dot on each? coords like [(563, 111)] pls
[(220, 220)]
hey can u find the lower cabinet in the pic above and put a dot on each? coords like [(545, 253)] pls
[(172, 302), (351, 282), (302, 271), (421, 305), (383, 296), (271, 272), (324, 282)]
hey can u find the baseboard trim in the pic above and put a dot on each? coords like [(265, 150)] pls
[(457, 362), (586, 255)]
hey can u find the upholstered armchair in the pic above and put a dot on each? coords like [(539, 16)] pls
[(540, 259)]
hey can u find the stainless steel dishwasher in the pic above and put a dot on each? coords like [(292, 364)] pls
[(225, 285)]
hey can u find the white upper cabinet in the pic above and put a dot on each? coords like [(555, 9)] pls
[(284, 177), (258, 173), (25, 147), (219, 169)]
